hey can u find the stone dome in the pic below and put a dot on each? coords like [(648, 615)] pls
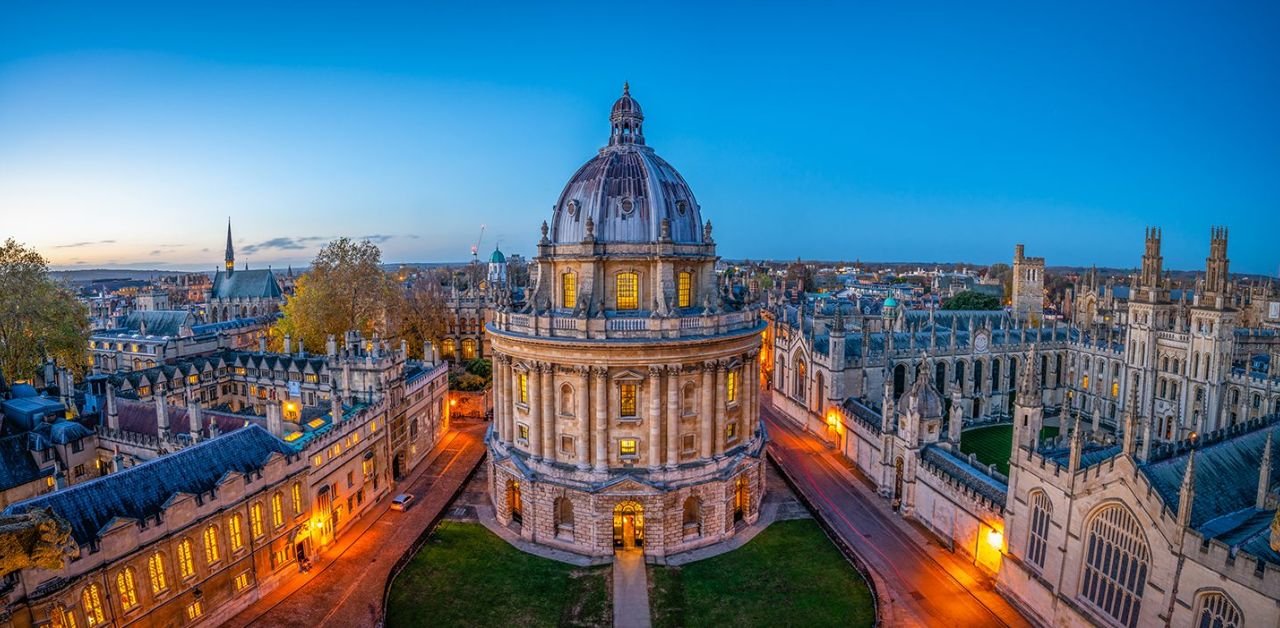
[(922, 398), (626, 190)]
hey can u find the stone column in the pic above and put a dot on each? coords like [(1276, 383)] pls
[(673, 415), (750, 412), (584, 417), (706, 419), (601, 401), (549, 444), (535, 410), (722, 410), (655, 417), (502, 400)]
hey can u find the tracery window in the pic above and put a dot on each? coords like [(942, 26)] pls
[(568, 290), (127, 585), (297, 493), (186, 564), (255, 520), (235, 529), (211, 544), (1041, 511), (801, 380), (628, 291), (1115, 564), (684, 289), (277, 510), (1216, 610), (155, 568), (91, 601)]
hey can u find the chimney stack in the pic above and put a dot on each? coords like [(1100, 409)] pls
[(288, 344), (162, 416), (275, 423), (113, 412), (195, 417)]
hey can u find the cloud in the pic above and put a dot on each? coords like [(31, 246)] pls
[(377, 238), (204, 250), (155, 252), (75, 245), (283, 243)]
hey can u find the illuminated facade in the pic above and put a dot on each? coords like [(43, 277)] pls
[(626, 388)]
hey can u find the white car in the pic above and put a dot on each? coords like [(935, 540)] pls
[(401, 502)]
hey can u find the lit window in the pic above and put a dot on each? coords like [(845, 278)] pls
[(731, 386), (1115, 389), (684, 289), (317, 460), (731, 430), (127, 585), (448, 347), (186, 566), (297, 498), (62, 617), (193, 379), (1084, 382), (242, 581), (522, 383), (627, 400), (92, 602), (468, 348), (277, 510), (628, 291), (194, 610), (155, 567), (569, 290), (628, 447), (524, 433), (211, 544), (235, 529), (255, 520)]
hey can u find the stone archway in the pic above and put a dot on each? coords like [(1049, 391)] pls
[(741, 498), (628, 525)]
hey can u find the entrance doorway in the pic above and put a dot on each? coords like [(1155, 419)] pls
[(628, 525), (514, 501), (740, 498), (397, 466)]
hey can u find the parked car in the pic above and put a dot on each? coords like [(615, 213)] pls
[(401, 502)]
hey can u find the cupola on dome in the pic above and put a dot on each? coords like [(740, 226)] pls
[(626, 190)]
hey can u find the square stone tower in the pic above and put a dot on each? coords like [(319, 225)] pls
[(1028, 286)]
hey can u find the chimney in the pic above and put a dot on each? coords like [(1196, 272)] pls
[(288, 344), (195, 416), (301, 352), (275, 423), (162, 416), (262, 344), (113, 412), (331, 346), (117, 461), (335, 406)]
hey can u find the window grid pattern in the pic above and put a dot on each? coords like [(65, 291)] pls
[(628, 291), (1115, 565), (569, 290), (155, 568), (731, 386), (128, 587), (627, 400), (684, 289), (1215, 610), (94, 614), (522, 384), (211, 544), (186, 565), (1038, 541), (277, 510)]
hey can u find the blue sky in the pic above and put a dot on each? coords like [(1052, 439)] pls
[(824, 130)]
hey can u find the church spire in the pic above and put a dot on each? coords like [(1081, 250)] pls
[(231, 253)]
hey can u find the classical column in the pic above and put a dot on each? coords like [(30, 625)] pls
[(549, 444), (583, 411), (722, 410), (601, 401), (673, 415), (750, 412), (502, 397), (535, 410), (655, 417), (706, 419)]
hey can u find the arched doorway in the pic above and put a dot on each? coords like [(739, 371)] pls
[(628, 525), (514, 501), (397, 466), (741, 498)]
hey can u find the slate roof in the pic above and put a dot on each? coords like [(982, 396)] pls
[(246, 284), (960, 470), (17, 465), (159, 322), (139, 417), (1248, 529), (140, 492)]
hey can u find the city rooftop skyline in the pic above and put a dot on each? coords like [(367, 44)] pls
[(132, 134)]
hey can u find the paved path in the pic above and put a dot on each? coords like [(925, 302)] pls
[(920, 582), (345, 587), (630, 590)]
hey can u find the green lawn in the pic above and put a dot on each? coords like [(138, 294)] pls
[(467, 576), (992, 444), (789, 575)]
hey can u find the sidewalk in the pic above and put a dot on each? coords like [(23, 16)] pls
[(630, 590), (345, 586)]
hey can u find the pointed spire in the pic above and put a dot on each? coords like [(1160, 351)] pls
[(1264, 476), (1077, 446), (1187, 494), (231, 252)]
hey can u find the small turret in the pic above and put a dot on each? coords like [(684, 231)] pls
[(1187, 493), (1264, 476)]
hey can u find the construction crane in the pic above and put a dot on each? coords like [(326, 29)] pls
[(475, 248)]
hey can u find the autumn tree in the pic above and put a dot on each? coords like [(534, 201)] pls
[(345, 290), (420, 314), (39, 317)]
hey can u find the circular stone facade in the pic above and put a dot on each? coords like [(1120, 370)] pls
[(626, 388)]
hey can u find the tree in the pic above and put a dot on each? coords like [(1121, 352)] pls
[(1003, 273), (39, 317), (970, 300), (345, 290), (420, 314)]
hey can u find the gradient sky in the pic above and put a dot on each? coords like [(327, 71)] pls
[(828, 130)]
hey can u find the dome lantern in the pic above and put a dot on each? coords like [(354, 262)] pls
[(626, 120)]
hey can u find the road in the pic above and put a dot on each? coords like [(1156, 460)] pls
[(345, 587), (920, 582)]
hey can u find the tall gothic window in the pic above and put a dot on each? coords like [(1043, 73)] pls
[(211, 554), (127, 585), (1041, 511), (277, 510), (186, 565), (684, 289), (628, 291), (91, 601), (155, 569), (1216, 610), (235, 530), (798, 387), (568, 290), (255, 520), (1115, 564)]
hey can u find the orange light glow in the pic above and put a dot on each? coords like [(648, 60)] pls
[(995, 539), (453, 402)]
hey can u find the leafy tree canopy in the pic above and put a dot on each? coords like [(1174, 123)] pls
[(970, 300), (345, 290), (39, 317)]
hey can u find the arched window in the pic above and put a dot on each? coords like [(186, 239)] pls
[(155, 569), (568, 290), (1038, 540), (692, 520), (297, 498), (564, 518), (235, 529), (211, 554), (627, 291), (186, 564), (566, 399), (687, 399), (684, 289), (468, 349), (801, 381), (255, 520), (91, 602), (448, 347), (1216, 610), (62, 617), (977, 378), (127, 585), (959, 378), (1115, 564), (940, 377), (996, 383), (277, 510)]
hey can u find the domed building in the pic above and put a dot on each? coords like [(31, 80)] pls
[(626, 385)]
